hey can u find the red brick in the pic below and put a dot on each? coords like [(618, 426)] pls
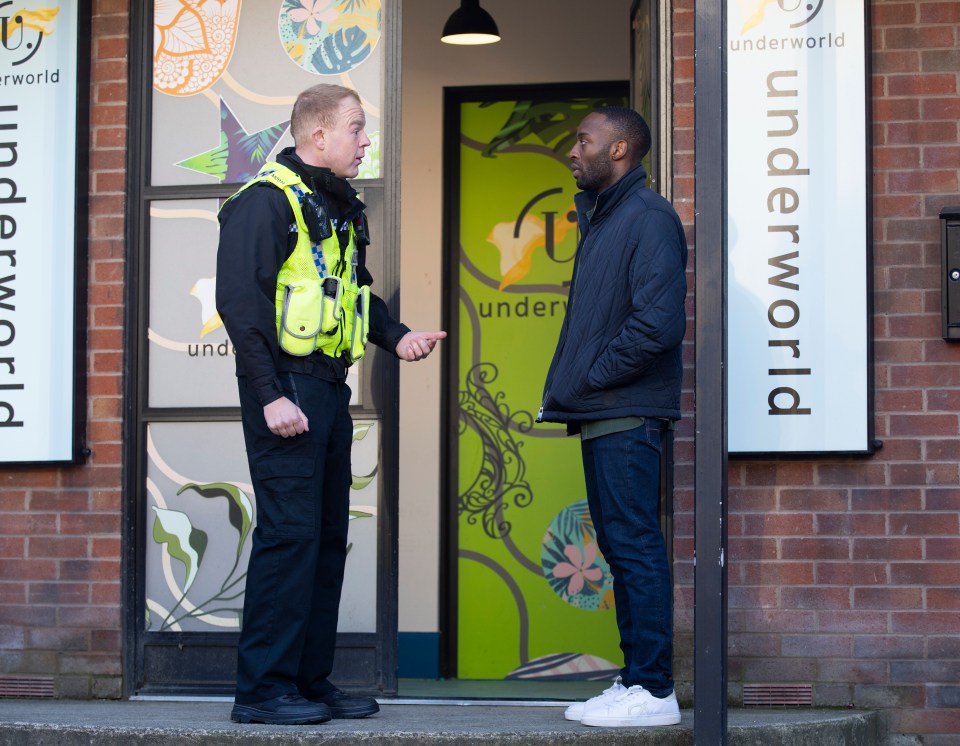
[(888, 598), (105, 594), (112, 48), (770, 573), (941, 157), (935, 474), (747, 500), (60, 593), (942, 549), (888, 646), (893, 14), (779, 669), (91, 570), (29, 524), (881, 696), (807, 645), (814, 500), (942, 450), (922, 37), (927, 721), (888, 549), (13, 546), (898, 301), (943, 598), (814, 597), (919, 133), (940, 60), (925, 376), (814, 549), (853, 474), (854, 621), (32, 615), (101, 617), (943, 647), (850, 573), (925, 573), (939, 12), (773, 524), (12, 594), (889, 400), (753, 645), (896, 61), (58, 639), (850, 524), (924, 425), (88, 524), (924, 524), (750, 596), (54, 547), (855, 671), (899, 449), (895, 110)]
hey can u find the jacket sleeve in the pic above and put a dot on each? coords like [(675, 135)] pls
[(656, 320), (385, 331), (254, 243)]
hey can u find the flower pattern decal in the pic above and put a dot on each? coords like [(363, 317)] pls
[(329, 37), (579, 569), (571, 562)]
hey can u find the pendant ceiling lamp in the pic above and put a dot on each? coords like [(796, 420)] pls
[(470, 24)]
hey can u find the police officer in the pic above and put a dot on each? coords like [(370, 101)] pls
[(293, 293)]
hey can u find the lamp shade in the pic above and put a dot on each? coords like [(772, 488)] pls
[(470, 24)]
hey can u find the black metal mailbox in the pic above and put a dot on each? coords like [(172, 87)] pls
[(950, 272)]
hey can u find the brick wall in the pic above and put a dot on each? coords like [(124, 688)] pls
[(60, 602), (858, 591), (845, 572)]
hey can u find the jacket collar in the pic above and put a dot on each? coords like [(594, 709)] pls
[(603, 202), (345, 202)]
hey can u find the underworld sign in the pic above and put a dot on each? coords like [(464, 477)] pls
[(38, 59), (797, 227)]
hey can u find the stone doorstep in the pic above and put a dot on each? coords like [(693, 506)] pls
[(164, 723)]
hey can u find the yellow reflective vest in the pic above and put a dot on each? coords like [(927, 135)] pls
[(319, 304)]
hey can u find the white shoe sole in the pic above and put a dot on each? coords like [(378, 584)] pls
[(625, 722), (575, 716)]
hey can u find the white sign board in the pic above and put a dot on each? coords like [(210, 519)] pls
[(797, 197), (38, 127)]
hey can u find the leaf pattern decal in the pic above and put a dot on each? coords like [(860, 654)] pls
[(553, 123), (341, 51), (329, 37), (184, 542), (239, 507), (359, 481)]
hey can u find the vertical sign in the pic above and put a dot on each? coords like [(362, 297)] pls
[(38, 149), (797, 196)]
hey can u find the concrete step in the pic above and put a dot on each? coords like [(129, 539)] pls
[(207, 723)]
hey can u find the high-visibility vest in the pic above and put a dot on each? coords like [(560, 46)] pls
[(319, 304)]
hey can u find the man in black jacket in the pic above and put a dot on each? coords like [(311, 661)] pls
[(615, 378), (298, 230)]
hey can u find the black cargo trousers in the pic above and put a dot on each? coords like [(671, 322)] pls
[(295, 574)]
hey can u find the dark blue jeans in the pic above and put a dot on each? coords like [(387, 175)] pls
[(622, 473), (295, 574)]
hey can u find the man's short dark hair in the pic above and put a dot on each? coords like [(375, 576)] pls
[(630, 126)]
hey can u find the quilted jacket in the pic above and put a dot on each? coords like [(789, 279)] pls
[(619, 351)]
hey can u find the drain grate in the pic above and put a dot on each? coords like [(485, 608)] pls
[(22, 686), (777, 695)]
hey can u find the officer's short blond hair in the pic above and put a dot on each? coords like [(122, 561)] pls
[(317, 107)]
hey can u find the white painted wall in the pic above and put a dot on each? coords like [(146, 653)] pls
[(543, 41)]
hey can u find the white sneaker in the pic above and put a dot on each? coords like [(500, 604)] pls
[(634, 706), (575, 711)]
